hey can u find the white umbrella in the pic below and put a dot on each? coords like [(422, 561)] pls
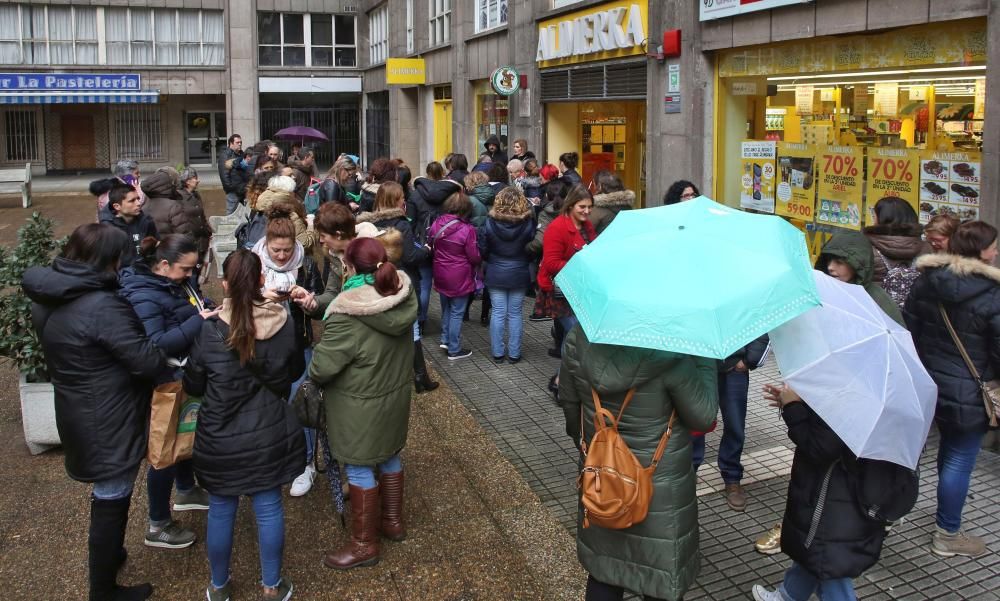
[(858, 369)]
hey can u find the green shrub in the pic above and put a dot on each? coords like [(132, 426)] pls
[(18, 340)]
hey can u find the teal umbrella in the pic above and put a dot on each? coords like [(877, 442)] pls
[(695, 277)]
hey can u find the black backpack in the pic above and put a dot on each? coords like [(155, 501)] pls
[(884, 490), (251, 231)]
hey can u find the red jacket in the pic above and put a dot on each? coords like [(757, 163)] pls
[(562, 240)]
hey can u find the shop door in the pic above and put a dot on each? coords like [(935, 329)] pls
[(79, 150), (204, 136), (442, 129)]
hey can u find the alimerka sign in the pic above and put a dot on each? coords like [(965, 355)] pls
[(717, 9), (610, 30), (69, 81)]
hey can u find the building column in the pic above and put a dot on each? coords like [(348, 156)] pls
[(242, 96), (989, 209), (679, 146)]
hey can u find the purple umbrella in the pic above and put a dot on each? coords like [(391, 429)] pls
[(301, 133)]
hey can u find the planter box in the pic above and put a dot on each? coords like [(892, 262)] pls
[(38, 415)]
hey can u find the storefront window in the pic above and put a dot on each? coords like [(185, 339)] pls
[(138, 132), (840, 123), (492, 111)]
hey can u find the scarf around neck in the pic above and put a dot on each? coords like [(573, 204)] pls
[(279, 277)]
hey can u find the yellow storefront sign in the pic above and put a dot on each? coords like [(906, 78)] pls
[(955, 43), (841, 186), (892, 172), (611, 30), (405, 71), (796, 192)]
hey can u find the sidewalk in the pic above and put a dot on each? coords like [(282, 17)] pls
[(512, 404)]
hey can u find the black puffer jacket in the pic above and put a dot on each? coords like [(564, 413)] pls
[(137, 229), (234, 178), (412, 255), (102, 366), (247, 440), (845, 543), (428, 198), (501, 244), (970, 291)]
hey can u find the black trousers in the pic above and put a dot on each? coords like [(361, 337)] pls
[(599, 591)]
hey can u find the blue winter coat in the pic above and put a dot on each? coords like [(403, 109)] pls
[(169, 317), (501, 243)]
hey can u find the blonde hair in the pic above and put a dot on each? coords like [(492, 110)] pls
[(476, 178), (281, 183)]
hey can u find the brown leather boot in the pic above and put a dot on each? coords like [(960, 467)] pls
[(363, 548), (391, 486)]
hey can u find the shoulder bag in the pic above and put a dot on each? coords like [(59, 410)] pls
[(991, 389)]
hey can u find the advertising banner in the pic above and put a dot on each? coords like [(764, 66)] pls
[(796, 191), (757, 159), (892, 172), (840, 186), (949, 184), (717, 9)]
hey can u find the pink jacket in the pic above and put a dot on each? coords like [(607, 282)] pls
[(456, 255)]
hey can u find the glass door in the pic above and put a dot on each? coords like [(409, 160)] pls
[(204, 136)]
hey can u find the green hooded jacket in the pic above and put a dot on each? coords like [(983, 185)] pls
[(659, 556), (854, 249), (364, 363)]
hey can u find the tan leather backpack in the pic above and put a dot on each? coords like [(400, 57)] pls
[(614, 487)]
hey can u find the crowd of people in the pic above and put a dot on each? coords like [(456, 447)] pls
[(357, 254)]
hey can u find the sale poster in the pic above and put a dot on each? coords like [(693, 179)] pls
[(757, 159), (841, 185), (949, 184), (892, 172), (796, 190)]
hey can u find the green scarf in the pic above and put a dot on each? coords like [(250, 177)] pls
[(358, 280)]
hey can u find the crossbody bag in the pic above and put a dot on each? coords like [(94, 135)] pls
[(990, 389)]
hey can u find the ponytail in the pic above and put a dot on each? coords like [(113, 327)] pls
[(170, 248), (368, 256), (241, 271)]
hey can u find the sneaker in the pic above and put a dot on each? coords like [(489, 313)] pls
[(282, 592), (762, 594), (462, 354), (769, 543), (171, 536), (304, 482), (736, 497), (443, 346), (945, 544), (219, 594), (539, 318), (513, 360), (498, 360), (195, 499)]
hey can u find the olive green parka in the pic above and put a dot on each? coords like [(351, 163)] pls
[(659, 556), (364, 363)]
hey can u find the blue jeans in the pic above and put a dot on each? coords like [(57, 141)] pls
[(956, 459), (270, 517), (734, 387), (364, 475), (232, 199), (113, 489), (159, 484), (507, 303), (309, 432), (424, 296), (452, 310), (799, 585)]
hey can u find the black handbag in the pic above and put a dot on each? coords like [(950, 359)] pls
[(309, 406)]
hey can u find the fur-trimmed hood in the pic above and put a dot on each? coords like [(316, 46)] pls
[(624, 198), (377, 216), (955, 278), (267, 318), (390, 315)]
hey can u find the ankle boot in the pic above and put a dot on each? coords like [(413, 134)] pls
[(363, 548), (421, 381), (108, 520), (391, 488)]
